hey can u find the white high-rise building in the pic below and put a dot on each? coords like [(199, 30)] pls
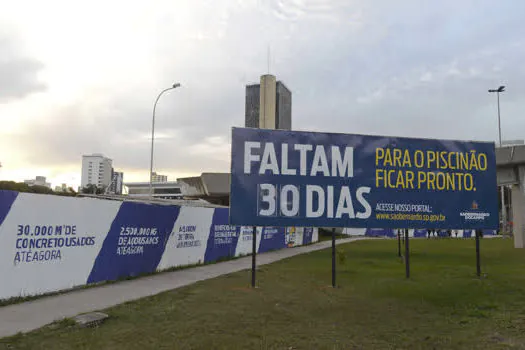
[(96, 170)]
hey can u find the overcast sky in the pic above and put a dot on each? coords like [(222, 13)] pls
[(79, 79)]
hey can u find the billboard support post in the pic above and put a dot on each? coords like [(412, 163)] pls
[(407, 258), (254, 253), (478, 264), (398, 243), (333, 258)]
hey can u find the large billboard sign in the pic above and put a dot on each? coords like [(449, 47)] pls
[(291, 178)]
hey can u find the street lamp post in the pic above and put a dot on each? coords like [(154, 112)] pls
[(503, 207), (174, 86)]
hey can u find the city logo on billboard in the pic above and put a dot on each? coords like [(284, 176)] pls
[(475, 214)]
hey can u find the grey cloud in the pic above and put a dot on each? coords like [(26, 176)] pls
[(394, 68), (124, 135), (18, 74)]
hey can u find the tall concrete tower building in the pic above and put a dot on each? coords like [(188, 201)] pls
[(283, 107), (267, 100), (252, 106), (268, 105)]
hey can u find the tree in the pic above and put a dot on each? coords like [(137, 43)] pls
[(22, 187), (41, 189), (93, 189), (13, 186)]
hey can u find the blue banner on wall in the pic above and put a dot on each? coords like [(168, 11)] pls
[(288, 178), (420, 233), (273, 238), (135, 242), (7, 198), (380, 232), (223, 238), (307, 235)]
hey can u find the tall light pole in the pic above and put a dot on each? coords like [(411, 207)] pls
[(174, 86), (503, 207)]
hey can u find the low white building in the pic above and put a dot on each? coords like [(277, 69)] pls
[(62, 188), (38, 181), (165, 190), (158, 178)]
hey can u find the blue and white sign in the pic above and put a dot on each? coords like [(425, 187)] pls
[(288, 178)]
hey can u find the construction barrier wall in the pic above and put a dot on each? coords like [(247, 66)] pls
[(417, 233), (52, 243)]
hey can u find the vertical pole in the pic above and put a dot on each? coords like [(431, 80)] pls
[(333, 258), (153, 139), (478, 264), (503, 209), (398, 243), (499, 121), (502, 189), (254, 253), (151, 155), (407, 260)]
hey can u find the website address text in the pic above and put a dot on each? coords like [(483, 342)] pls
[(411, 217)]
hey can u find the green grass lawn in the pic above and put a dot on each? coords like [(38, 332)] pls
[(443, 305)]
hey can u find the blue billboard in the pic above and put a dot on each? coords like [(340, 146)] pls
[(307, 179)]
